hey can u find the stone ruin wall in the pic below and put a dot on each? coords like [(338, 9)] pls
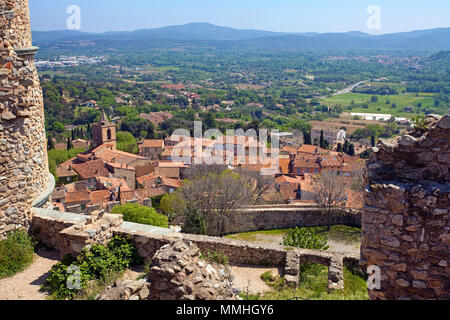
[(69, 233), (406, 225), (269, 217), (23, 156)]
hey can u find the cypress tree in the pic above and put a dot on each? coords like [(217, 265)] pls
[(351, 150), (50, 144), (322, 142), (345, 148)]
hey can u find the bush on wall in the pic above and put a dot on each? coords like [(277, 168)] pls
[(133, 212), (93, 263), (16, 253)]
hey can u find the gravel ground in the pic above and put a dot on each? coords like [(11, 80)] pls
[(249, 278), (26, 284)]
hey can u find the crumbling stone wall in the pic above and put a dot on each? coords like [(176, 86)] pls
[(70, 232), (406, 226), (23, 158), (269, 217)]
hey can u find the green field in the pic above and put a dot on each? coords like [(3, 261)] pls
[(402, 101)]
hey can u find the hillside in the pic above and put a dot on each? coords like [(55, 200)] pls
[(208, 35)]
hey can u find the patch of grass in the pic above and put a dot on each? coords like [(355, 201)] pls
[(16, 253), (343, 233), (253, 236), (402, 100), (313, 286), (97, 286)]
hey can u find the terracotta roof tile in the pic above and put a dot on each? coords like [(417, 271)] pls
[(91, 169), (100, 196), (152, 143), (78, 196)]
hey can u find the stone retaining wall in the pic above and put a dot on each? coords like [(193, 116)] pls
[(69, 233), (283, 217)]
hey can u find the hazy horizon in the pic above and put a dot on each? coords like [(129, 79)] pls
[(293, 16), (202, 22)]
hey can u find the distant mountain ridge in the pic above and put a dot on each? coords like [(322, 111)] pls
[(432, 39)]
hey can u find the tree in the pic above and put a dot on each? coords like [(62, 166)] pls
[(134, 212), (374, 99), (322, 140), (126, 142), (345, 148), (372, 141), (69, 144), (351, 150), (330, 191), (209, 198), (50, 144)]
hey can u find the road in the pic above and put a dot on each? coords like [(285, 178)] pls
[(347, 90)]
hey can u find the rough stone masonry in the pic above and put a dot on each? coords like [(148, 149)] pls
[(23, 156), (406, 225)]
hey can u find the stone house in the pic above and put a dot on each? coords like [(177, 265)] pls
[(151, 148), (66, 175), (89, 171)]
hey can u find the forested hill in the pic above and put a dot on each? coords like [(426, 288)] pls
[(211, 36)]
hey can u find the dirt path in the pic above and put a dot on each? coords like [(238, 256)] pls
[(249, 278), (26, 284)]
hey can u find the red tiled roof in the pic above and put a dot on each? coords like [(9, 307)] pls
[(65, 171), (308, 149), (130, 195), (78, 196), (152, 143), (91, 169), (100, 197)]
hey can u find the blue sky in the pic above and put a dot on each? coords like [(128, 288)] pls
[(273, 15)]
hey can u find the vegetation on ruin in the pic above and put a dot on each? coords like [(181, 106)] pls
[(214, 257), (313, 286), (305, 238), (133, 212), (93, 264), (16, 253), (341, 233)]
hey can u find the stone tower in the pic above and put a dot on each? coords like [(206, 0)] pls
[(24, 177), (406, 217), (104, 131)]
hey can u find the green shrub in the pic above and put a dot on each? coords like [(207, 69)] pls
[(214, 257), (420, 123), (16, 253), (133, 212), (267, 277), (94, 263), (305, 238)]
